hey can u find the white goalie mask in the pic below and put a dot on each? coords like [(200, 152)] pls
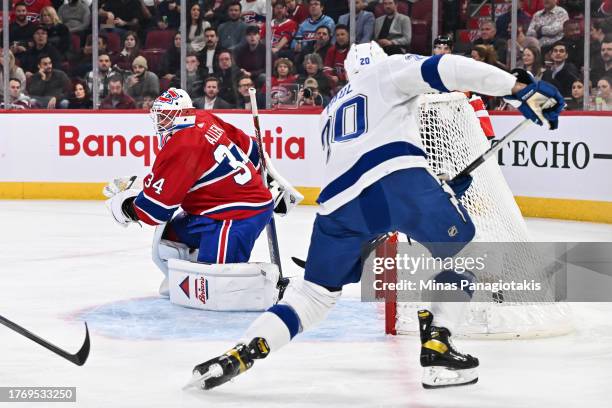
[(171, 111), (361, 57)]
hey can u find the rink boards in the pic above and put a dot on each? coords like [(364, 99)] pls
[(71, 155)]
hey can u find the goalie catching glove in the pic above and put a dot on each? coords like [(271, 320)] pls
[(285, 196), (122, 192), (539, 101)]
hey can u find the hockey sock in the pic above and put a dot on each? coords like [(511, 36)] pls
[(276, 325), (448, 306)]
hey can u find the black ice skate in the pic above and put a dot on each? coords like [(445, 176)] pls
[(443, 365), (237, 360)]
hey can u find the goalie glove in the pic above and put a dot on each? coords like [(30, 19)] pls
[(539, 101), (285, 196), (121, 184), (121, 207)]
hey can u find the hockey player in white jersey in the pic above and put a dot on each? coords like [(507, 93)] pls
[(377, 180)]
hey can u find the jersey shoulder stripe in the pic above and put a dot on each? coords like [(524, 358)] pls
[(431, 75), (152, 209)]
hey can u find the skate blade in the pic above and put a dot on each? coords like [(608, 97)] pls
[(197, 381), (441, 377)]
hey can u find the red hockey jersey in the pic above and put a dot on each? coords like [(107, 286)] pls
[(207, 169)]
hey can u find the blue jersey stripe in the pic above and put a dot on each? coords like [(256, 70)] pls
[(239, 208), (254, 155), (366, 163), (288, 316), (429, 72), (158, 212)]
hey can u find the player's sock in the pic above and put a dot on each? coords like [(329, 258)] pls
[(443, 365), (278, 326), (448, 307)]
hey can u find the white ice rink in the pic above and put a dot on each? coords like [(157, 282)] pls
[(63, 262)]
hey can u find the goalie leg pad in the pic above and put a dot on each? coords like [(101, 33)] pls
[(223, 287)]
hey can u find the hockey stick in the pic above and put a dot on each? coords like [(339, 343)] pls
[(79, 358), (493, 150), (271, 227)]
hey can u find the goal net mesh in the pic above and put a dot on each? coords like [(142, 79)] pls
[(453, 138)]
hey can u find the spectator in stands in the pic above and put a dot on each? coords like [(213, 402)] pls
[(171, 60), (335, 9), (562, 73), (487, 36), (364, 22), (486, 54), (227, 74), (195, 76), (17, 99), (603, 100), (532, 61), (502, 24), (131, 50), (547, 25), (57, 33), (530, 7), (313, 68), (297, 12), (30, 58), (522, 42), (576, 102), (334, 60), (599, 29), (208, 56), (320, 46), (283, 80), (283, 30), (79, 97), (253, 11), (196, 29), (574, 42), (121, 15), (443, 44), (105, 73), (232, 32), (34, 8), (20, 30), (306, 33), (168, 15), (211, 99), (243, 99), (48, 85), (309, 95), (76, 16), (117, 99), (251, 56), (81, 64), (393, 31), (606, 8), (602, 65), (142, 82), (215, 11), (15, 72)]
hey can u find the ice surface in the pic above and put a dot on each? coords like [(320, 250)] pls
[(62, 262)]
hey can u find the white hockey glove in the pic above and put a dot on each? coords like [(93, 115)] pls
[(121, 184), (120, 206), (285, 196)]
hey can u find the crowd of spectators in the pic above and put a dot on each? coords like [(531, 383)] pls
[(139, 48)]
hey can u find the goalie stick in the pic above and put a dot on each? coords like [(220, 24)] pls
[(79, 358), (271, 227)]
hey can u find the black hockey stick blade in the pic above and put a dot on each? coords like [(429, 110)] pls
[(299, 262), (79, 358)]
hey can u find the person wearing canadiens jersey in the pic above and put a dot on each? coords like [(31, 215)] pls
[(208, 168)]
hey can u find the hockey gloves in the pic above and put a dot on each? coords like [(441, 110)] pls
[(460, 185), (122, 192), (539, 101), (284, 194)]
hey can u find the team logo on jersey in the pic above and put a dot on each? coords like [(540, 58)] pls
[(168, 96), (184, 285), (452, 231), (201, 289)]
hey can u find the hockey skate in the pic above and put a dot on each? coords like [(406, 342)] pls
[(220, 370), (443, 366)]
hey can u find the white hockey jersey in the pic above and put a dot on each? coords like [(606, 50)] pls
[(369, 129)]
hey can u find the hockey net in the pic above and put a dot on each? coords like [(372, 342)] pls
[(453, 138)]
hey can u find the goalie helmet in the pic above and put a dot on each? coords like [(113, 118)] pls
[(363, 56), (172, 111)]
